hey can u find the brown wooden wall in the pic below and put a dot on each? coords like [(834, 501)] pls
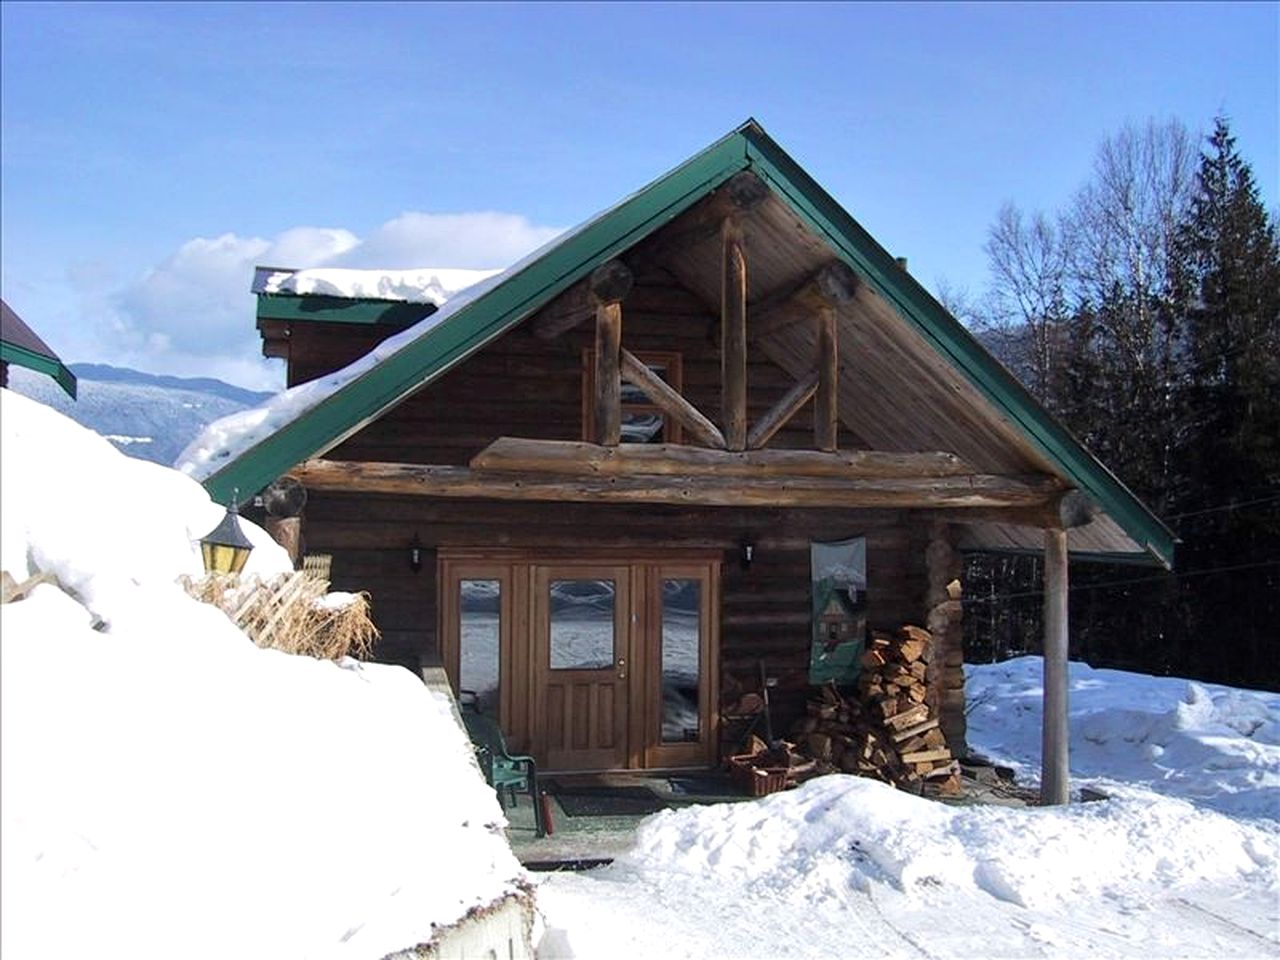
[(528, 387)]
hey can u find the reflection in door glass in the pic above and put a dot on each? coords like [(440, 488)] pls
[(479, 631), (681, 602), (581, 624)]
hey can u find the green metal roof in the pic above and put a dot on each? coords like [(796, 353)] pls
[(21, 345), (568, 260)]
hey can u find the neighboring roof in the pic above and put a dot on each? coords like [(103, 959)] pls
[(21, 345), (313, 418)]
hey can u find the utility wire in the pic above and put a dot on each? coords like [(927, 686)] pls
[(1124, 583), (1226, 506)]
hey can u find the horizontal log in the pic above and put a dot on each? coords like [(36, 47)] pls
[(727, 491), (518, 454)]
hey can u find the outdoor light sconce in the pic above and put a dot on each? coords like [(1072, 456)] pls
[(747, 555), (225, 548), (415, 554)]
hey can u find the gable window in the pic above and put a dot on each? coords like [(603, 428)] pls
[(642, 422)]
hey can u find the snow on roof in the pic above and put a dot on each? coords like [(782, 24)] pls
[(421, 285), (165, 782), (226, 439)]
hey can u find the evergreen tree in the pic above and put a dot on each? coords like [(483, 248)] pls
[(1229, 279)]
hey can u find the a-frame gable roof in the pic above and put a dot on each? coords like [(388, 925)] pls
[(403, 364)]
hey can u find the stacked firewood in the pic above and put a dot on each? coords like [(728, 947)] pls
[(890, 731)]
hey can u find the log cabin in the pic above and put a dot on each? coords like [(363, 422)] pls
[(589, 486)]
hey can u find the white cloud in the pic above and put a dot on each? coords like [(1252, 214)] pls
[(193, 315)]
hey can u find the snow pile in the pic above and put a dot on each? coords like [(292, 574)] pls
[(838, 832), (1217, 746), (844, 859), (167, 787), (425, 285)]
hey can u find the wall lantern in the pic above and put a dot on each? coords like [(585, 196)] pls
[(225, 548), (415, 554), (747, 554)]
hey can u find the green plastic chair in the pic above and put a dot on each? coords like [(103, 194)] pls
[(508, 773)]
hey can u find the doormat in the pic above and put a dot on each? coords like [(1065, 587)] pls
[(704, 786), (607, 801)]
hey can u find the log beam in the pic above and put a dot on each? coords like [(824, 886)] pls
[(609, 285), (832, 285), (782, 411), (826, 422), (665, 398), (462, 482), (1055, 776), (567, 457), (1067, 511), (609, 282), (733, 337), (741, 194), (608, 374)]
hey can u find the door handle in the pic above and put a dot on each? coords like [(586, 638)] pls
[(622, 668)]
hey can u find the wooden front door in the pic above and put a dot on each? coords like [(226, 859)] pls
[(597, 663), (581, 655)]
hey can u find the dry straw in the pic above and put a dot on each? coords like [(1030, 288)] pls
[(292, 612)]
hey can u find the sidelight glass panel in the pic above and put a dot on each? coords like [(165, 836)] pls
[(480, 635), (681, 625), (581, 624)]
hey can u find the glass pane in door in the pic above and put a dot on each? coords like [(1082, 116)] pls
[(681, 604), (480, 635), (581, 624)]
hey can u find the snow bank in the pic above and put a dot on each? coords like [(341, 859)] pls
[(169, 788), (840, 831), (425, 285), (845, 863), (1216, 746)]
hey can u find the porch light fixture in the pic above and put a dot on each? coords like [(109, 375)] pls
[(415, 554), (747, 555), (225, 548)]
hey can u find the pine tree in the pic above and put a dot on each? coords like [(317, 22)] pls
[(1229, 445)]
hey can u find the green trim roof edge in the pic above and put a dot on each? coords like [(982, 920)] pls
[(749, 146), (480, 321), (949, 337), (12, 353)]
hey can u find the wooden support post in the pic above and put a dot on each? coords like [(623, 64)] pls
[(287, 531), (609, 283), (1055, 777), (826, 423), (608, 374), (733, 337)]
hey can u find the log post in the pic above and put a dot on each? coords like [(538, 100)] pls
[(733, 337), (287, 531), (609, 284), (1055, 777), (826, 423), (943, 619)]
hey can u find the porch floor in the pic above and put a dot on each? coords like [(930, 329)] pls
[(583, 841)]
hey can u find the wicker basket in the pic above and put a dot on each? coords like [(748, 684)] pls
[(756, 781)]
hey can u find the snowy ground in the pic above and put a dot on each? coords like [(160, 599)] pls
[(1180, 862), (167, 789)]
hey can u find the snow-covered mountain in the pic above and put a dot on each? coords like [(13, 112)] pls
[(147, 416)]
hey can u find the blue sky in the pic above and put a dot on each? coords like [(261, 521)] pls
[(152, 153)]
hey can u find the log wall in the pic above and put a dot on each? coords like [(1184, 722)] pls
[(525, 386)]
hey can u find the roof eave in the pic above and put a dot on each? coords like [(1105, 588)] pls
[(860, 250), (51, 366)]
